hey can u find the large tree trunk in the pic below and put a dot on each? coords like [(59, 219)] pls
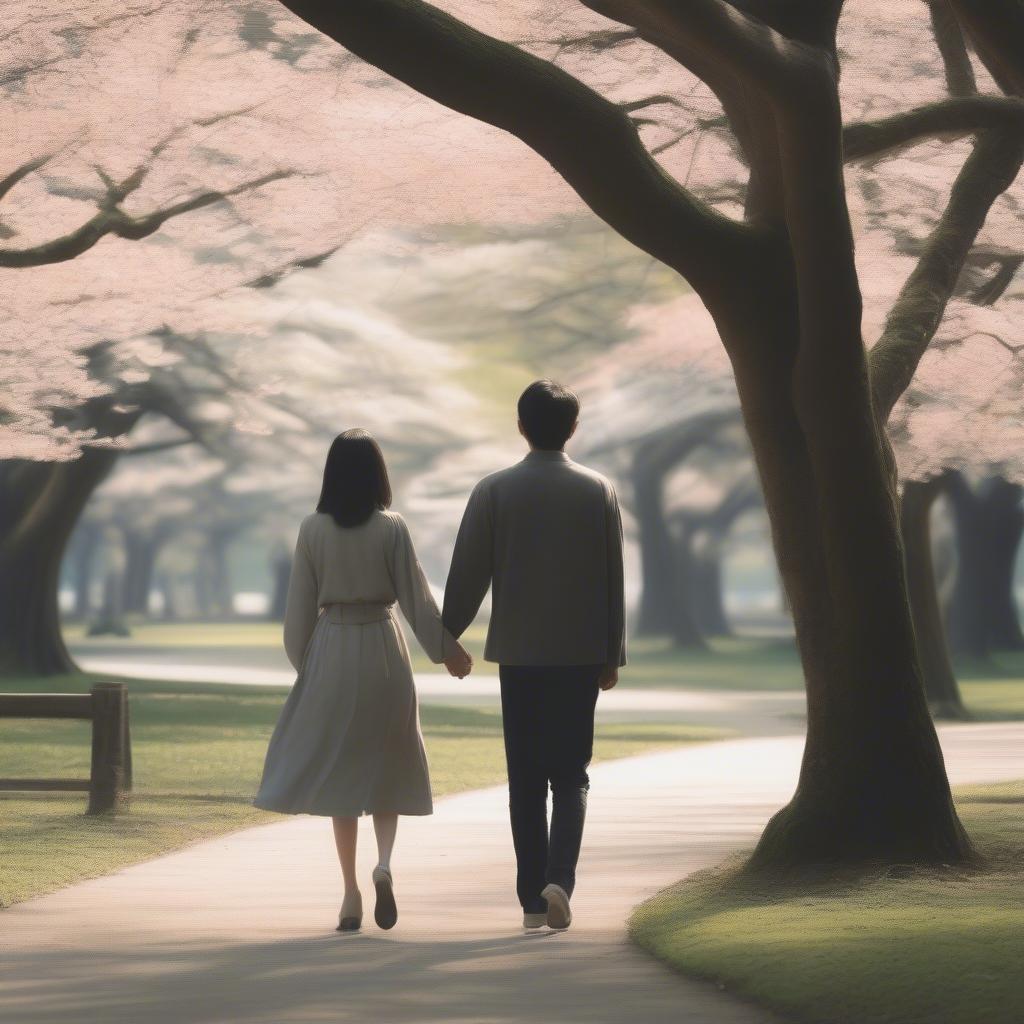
[(940, 685), (39, 506), (872, 782)]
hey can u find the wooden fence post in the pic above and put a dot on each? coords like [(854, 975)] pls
[(110, 765)]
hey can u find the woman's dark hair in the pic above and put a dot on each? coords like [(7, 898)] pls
[(355, 479), (547, 412)]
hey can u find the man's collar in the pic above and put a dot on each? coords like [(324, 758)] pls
[(540, 455)]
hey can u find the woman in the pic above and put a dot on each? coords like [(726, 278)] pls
[(348, 740)]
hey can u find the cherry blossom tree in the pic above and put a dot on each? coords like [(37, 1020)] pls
[(784, 288)]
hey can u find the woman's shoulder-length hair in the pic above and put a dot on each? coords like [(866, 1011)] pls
[(356, 480)]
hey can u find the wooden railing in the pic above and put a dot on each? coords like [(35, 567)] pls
[(106, 705)]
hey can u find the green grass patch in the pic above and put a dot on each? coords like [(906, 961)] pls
[(198, 753), (936, 946), (729, 663), (994, 689)]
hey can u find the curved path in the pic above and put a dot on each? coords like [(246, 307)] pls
[(239, 928)]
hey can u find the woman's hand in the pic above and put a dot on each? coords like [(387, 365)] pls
[(459, 663)]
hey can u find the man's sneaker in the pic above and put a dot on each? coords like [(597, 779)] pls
[(559, 916), (531, 921)]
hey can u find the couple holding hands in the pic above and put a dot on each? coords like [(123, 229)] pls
[(546, 537)]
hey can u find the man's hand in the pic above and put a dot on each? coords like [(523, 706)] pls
[(608, 677), (459, 663)]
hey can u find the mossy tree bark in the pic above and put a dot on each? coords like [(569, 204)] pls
[(783, 290)]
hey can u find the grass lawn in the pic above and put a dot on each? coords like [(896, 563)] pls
[(935, 947), (198, 752), (994, 689)]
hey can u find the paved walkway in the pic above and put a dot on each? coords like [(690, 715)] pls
[(239, 929)]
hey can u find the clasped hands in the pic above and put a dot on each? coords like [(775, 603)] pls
[(459, 663)]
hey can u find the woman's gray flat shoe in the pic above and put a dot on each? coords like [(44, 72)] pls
[(386, 911)]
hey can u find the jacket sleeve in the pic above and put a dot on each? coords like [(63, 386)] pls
[(414, 597), (301, 607), (472, 563), (616, 596)]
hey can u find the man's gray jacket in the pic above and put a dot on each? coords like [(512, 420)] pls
[(546, 535)]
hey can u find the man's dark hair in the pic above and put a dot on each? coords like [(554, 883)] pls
[(355, 479), (547, 412)]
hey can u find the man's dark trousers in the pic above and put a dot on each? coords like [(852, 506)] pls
[(548, 717)]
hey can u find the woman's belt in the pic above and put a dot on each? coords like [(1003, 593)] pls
[(358, 613)]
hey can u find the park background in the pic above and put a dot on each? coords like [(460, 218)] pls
[(225, 239)]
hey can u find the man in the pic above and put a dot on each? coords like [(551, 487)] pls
[(546, 535)]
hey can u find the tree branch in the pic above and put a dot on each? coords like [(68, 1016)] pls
[(113, 220), (725, 40), (269, 278), (996, 27), (992, 290), (589, 140), (758, 59), (917, 313), (12, 179), (950, 41), (742, 496), (668, 447), (947, 119)]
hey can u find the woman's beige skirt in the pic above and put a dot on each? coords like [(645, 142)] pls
[(348, 741)]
